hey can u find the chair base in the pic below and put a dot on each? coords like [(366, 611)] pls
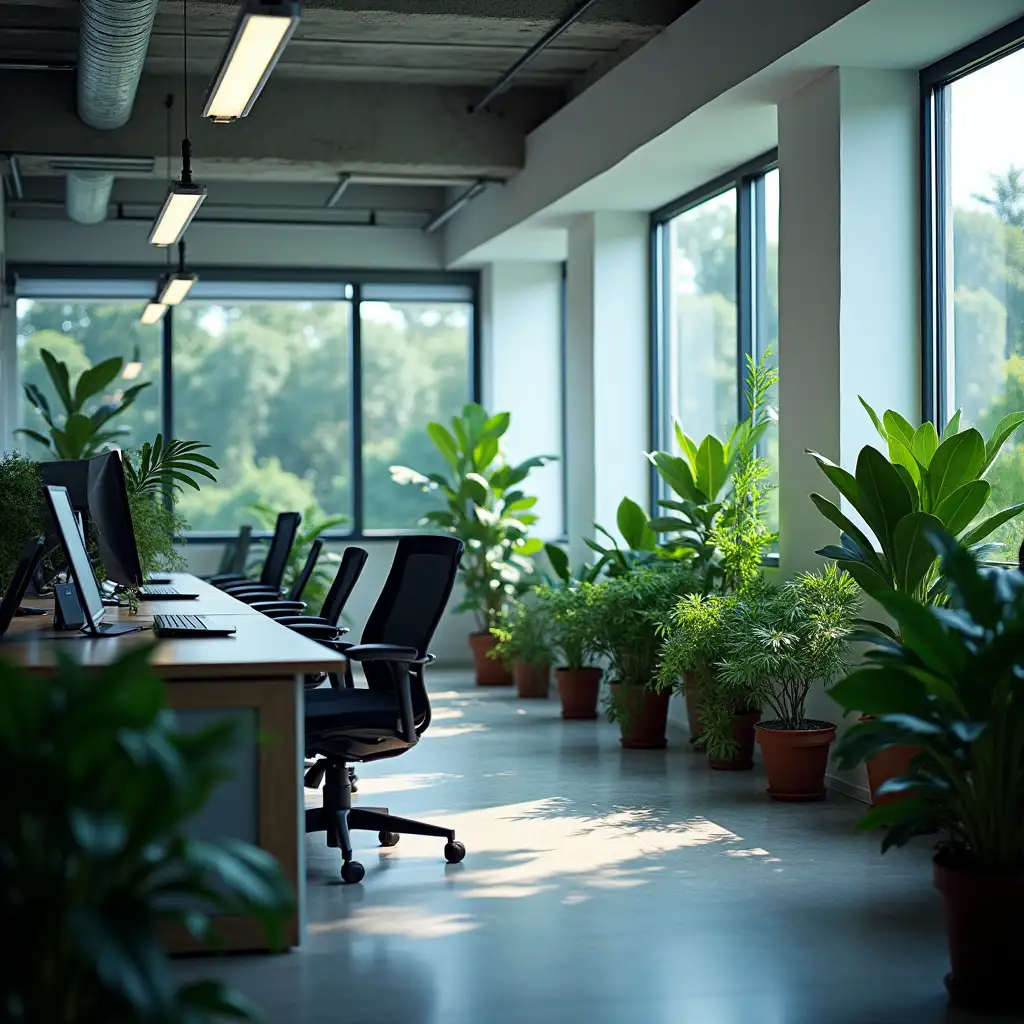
[(338, 818)]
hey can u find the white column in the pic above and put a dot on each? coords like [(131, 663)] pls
[(522, 372), (849, 292), (607, 370)]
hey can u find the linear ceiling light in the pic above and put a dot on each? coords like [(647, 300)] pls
[(174, 287), (261, 34), (153, 313)]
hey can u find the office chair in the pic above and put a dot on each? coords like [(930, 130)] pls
[(232, 561), (285, 529), (388, 717), (253, 593)]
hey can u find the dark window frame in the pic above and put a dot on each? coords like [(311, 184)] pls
[(356, 279), (935, 149), (751, 283)]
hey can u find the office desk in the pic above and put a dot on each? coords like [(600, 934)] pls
[(253, 677)]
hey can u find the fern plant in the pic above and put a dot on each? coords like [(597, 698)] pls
[(164, 468)]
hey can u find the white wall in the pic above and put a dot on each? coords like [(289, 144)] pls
[(522, 373)]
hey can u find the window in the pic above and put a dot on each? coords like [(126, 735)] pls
[(283, 380), (975, 252), (716, 291)]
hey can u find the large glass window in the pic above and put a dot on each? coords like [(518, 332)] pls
[(268, 374), (977, 262), (717, 285)]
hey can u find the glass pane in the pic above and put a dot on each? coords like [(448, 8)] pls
[(986, 331), (82, 333), (416, 367), (767, 307), (266, 384), (702, 338)]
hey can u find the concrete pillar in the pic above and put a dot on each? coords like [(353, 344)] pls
[(522, 373), (849, 291), (607, 370)]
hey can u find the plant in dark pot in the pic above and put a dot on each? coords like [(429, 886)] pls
[(780, 642), (95, 855), (486, 509), (523, 636), (954, 688), (627, 613)]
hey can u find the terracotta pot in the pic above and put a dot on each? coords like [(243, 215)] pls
[(795, 760), (645, 716), (489, 671), (578, 688), (742, 760), (531, 679), (691, 692), (889, 764), (983, 921)]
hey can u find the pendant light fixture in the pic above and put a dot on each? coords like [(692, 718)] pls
[(133, 367), (261, 33), (153, 313), (174, 287), (184, 196)]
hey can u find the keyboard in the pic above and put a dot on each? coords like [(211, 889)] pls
[(160, 593), (188, 625), (151, 589)]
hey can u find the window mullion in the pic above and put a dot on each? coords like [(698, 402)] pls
[(745, 304), (356, 407)]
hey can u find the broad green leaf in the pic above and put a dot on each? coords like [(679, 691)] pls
[(669, 524), (870, 580), (922, 630), (445, 443), (903, 457), (497, 425), (530, 546), (913, 554), (475, 417), (953, 426), (485, 453), (925, 441), (91, 382), (634, 526), (520, 505), (36, 436), (874, 419), (78, 433), (60, 378), (559, 561), (895, 424), (957, 461), (846, 483), (958, 510), (475, 488), (687, 447), (884, 498), (461, 434), (712, 467), (880, 691), (1004, 428), (675, 471), (831, 512), (986, 526), (912, 484)]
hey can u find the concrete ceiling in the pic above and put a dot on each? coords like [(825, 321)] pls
[(373, 88)]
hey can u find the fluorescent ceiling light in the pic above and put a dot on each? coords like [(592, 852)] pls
[(152, 314), (134, 368), (261, 33), (175, 287), (178, 210)]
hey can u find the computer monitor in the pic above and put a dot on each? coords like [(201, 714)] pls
[(30, 557), (78, 559), (112, 519), (73, 476)]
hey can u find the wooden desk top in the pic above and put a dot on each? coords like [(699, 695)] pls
[(260, 647)]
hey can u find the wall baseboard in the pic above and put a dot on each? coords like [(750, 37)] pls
[(851, 789)]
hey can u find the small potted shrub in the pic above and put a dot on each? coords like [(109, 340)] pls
[(570, 611), (954, 688), (22, 510), (781, 641), (697, 641), (524, 643), (628, 611)]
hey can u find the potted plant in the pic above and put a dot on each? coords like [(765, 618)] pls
[(954, 688), (627, 611), (486, 509), (95, 854), (781, 641), (523, 637), (928, 482), (22, 510)]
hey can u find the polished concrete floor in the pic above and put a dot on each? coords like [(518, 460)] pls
[(601, 886)]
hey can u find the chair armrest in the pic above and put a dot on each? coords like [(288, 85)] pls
[(400, 660), (384, 652), (249, 587), (269, 607), (321, 631), (226, 577)]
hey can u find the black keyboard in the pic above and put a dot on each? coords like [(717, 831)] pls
[(151, 589), (188, 625)]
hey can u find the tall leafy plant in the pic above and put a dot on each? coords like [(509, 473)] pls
[(75, 433), (929, 482), (485, 508), (22, 510), (95, 854)]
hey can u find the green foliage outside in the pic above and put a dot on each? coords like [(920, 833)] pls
[(485, 508), (954, 689), (95, 852)]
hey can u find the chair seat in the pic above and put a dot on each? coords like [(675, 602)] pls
[(331, 710)]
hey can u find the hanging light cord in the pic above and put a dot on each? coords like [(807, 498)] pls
[(186, 146)]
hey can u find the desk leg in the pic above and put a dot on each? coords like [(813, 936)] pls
[(278, 811)]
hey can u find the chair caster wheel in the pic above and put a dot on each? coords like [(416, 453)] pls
[(352, 871), (388, 838), (454, 852)]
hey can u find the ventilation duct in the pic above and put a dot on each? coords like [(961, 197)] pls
[(113, 40)]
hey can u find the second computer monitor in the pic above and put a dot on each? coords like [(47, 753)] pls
[(112, 519)]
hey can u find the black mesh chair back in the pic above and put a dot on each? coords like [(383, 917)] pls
[(352, 562), (236, 556), (410, 607), (280, 548), (300, 581)]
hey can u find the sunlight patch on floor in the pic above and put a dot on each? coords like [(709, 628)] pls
[(407, 922), (457, 730)]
